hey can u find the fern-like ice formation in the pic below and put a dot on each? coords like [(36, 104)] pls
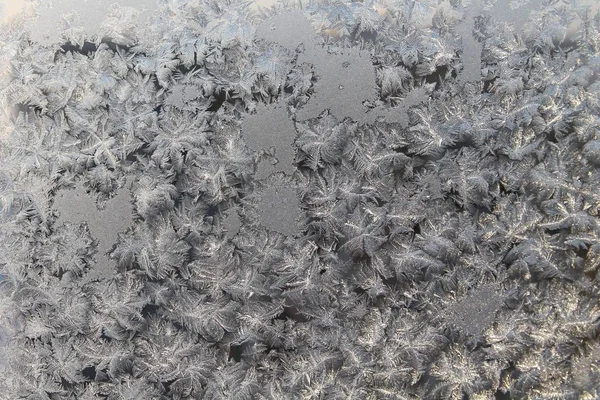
[(349, 199)]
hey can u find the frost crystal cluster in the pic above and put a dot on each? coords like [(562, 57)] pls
[(368, 199)]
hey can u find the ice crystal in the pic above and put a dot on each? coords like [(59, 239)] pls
[(333, 199)]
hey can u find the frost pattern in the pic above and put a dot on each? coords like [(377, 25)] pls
[(501, 11), (441, 243)]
